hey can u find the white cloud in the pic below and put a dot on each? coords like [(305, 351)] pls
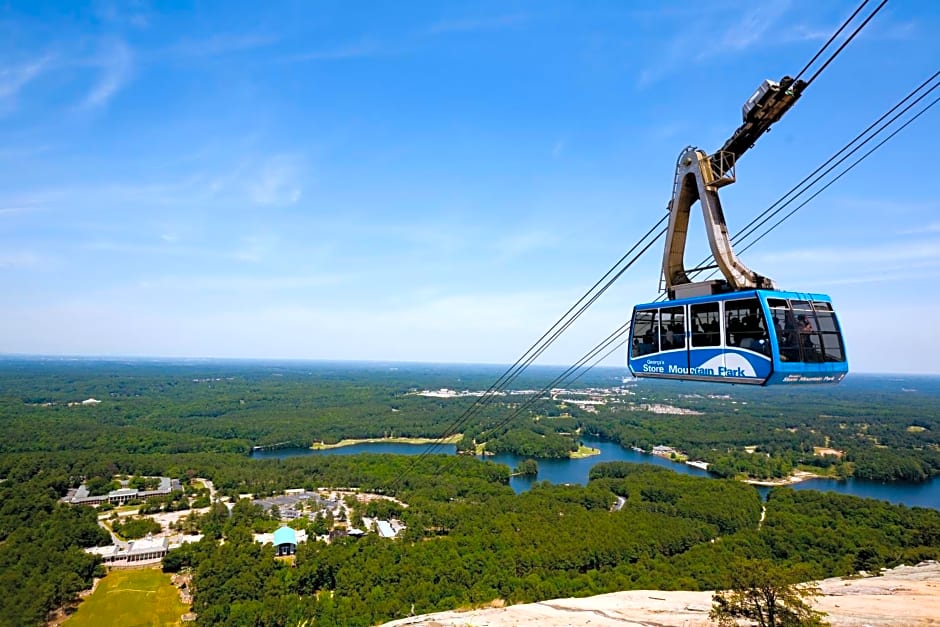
[(471, 25), (10, 259), (278, 182), (710, 35), (519, 244), (751, 29), (135, 13), (863, 255), (14, 78), (11, 211), (253, 249), (933, 227), (220, 44), (116, 68), (348, 51), (239, 284)]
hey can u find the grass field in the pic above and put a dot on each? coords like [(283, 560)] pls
[(128, 598)]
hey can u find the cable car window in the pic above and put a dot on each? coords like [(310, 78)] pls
[(832, 346), (826, 322), (644, 341), (785, 326), (671, 328), (745, 325), (705, 322), (828, 328)]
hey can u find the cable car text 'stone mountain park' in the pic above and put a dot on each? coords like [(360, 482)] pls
[(743, 328)]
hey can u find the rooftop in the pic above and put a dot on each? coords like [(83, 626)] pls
[(285, 535)]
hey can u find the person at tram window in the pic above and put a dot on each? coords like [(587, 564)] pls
[(789, 348), (751, 326), (664, 342), (714, 333), (735, 330), (677, 331), (647, 345), (804, 325)]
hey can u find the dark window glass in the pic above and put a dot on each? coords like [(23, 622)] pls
[(671, 328), (784, 322), (831, 348), (705, 322), (827, 322), (832, 345), (644, 341), (745, 326)]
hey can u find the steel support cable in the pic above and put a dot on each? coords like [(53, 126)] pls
[(526, 360), (517, 369), (831, 39), (765, 216), (613, 337), (529, 356), (845, 171), (841, 174), (569, 381), (477, 406), (846, 42), (749, 230), (746, 230)]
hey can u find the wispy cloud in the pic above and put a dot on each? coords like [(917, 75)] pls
[(219, 45), (253, 249), (12, 211), (933, 227), (278, 182), (470, 25), (867, 255), (116, 68), (749, 30), (558, 148), (241, 284), (137, 248), (14, 78), (11, 259), (519, 244), (339, 53), (702, 39), (134, 13)]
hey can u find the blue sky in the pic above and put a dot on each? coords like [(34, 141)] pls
[(434, 181)]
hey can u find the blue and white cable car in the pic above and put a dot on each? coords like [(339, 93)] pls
[(742, 329), (756, 337)]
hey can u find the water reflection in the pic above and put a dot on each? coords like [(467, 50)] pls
[(575, 471)]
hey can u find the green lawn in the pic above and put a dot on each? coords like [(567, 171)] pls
[(128, 598)]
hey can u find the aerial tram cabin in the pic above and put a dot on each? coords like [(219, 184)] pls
[(757, 336), (743, 328)]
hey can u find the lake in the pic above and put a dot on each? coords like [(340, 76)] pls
[(559, 471)]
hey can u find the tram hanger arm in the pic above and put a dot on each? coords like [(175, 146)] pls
[(699, 176), (764, 108)]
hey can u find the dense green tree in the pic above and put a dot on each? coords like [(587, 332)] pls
[(768, 596)]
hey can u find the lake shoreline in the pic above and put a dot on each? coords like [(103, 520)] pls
[(321, 446), (797, 476)]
